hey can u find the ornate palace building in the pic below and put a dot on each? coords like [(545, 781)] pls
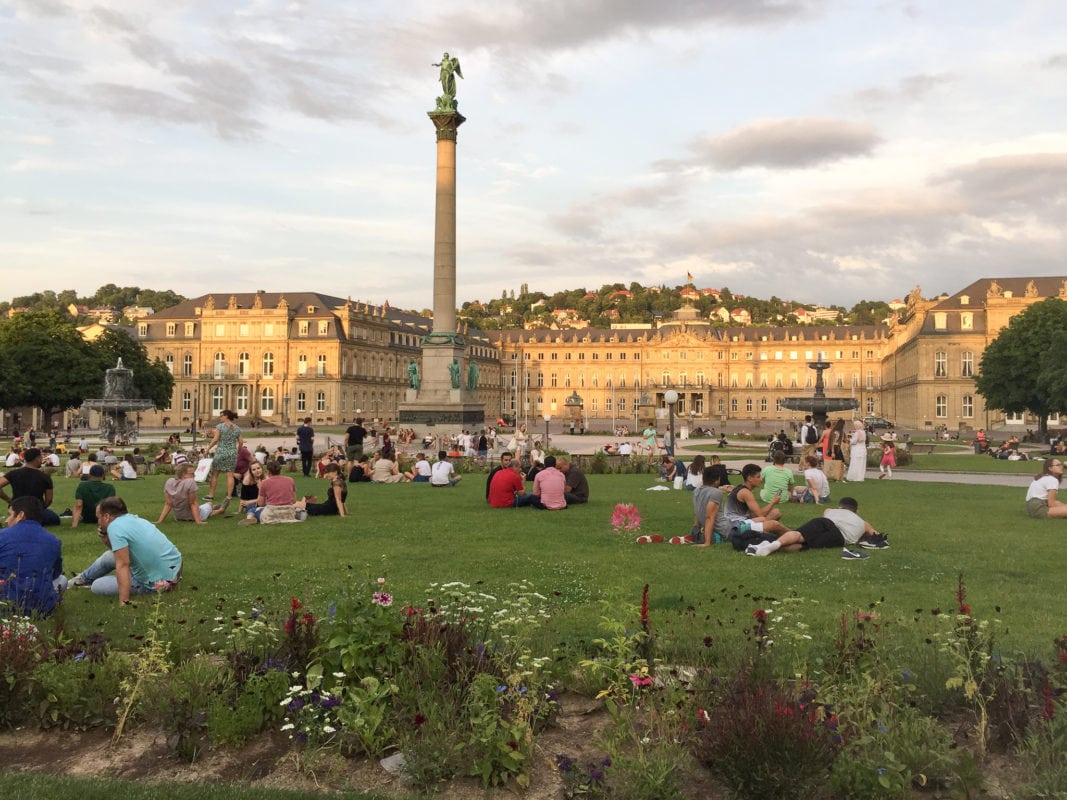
[(281, 357)]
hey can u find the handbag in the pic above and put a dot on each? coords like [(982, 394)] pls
[(203, 469)]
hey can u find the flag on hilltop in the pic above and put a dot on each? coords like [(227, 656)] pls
[(689, 276)]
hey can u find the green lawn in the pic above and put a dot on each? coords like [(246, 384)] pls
[(415, 535)]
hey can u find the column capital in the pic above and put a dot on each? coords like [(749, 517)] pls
[(446, 123)]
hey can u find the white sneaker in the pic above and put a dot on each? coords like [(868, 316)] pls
[(78, 580), (752, 550)]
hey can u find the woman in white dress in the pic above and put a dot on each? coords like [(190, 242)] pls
[(857, 465)]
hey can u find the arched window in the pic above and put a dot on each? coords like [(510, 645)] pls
[(268, 366), (240, 396), (216, 399), (941, 406), (242, 364), (266, 402), (220, 366)]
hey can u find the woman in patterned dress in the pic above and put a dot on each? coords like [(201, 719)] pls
[(226, 442)]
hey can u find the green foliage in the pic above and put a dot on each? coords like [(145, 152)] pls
[(760, 740), (1023, 368), (1044, 754), (21, 649), (233, 721), (47, 363), (78, 694)]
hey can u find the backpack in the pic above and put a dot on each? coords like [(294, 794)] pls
[(811, 437)]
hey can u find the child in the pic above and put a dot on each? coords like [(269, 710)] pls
[(889, 459)]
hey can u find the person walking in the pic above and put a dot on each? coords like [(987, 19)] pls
[(305, 443)]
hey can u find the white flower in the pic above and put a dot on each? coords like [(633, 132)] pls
[(329, 729), (288, 726), (338, 674)]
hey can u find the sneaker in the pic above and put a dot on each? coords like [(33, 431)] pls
[(877, 542), (751, 550), (678, 540), (852, 555), (67, 513), (249, 521), (78, 580)]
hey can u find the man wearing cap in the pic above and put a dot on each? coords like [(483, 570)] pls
[(31, 481), (88, 494)]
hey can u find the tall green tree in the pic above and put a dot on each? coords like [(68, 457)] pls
[(1023, 369), (151, 379), (47, 362)]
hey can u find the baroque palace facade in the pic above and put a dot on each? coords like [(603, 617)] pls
[(281, 357)]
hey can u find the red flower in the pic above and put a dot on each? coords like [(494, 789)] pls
[(760, 616), (419, 720), (964, 608), (295, 603)]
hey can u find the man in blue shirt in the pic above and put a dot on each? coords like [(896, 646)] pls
[(143, 559), (31, 561)]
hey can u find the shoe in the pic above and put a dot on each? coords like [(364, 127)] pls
[(67, 513), (78, 580), (751, 550), (678, 540), (644, 540), (881, 475), (249, 521), (852, 555), (877, 542)]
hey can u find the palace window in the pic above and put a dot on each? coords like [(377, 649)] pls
[(940, 364), (941, 406), (302, 365), (266, 401), (301, 401), (320, 401), (187, 366), (967, 365), (268, 364), (967, 408)]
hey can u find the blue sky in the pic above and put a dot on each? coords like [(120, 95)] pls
[(822, 151)]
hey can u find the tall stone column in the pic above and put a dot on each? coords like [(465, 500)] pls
[(444, 245), (444, 395)]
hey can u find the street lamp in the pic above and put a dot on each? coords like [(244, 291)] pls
[(547, 417), (670, 397)]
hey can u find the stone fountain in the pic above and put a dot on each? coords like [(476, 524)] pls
[(114, 407), (819, 405)]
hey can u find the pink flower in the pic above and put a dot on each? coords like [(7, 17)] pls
[(625, 518), (383, 599), (639, 680), (381, 581)]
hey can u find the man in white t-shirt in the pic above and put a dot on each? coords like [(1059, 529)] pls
[(421, 472), (442, 473), (837, 527)]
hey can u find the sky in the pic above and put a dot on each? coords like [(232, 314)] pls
[(823, 151)]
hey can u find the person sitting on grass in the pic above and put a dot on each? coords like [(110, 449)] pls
[(1041, 502), (361, 470), (577, 486), (31, 562), (709, 521), (277, 498), (549, 488), (335, 496), (778, 479), (837, 527), (506, 487), (816, 488), (143, 559), (179, 496), (668, 469), (420, 471), (88, 493), (442, 473), (125, 470), (742, 510), (249, 490)]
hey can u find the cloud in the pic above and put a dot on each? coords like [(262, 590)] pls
[(1004, 183), (1058, 61), (778, 144), (909, 89)]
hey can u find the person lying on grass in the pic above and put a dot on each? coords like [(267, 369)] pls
[(837, 527)]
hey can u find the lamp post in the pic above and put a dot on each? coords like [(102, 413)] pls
[(547, 418), (670, 397)]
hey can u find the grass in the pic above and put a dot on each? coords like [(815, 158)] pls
[(416, 535)]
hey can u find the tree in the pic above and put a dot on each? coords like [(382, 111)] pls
[(1023, 368), (151, 380), (48, 363)]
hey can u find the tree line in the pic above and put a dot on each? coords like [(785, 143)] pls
[(107, 296), (635, 303)]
